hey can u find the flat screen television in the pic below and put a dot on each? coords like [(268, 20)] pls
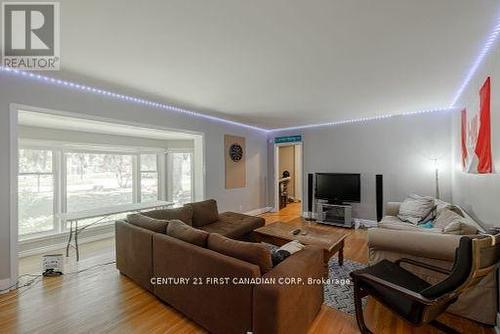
[(338, 188)]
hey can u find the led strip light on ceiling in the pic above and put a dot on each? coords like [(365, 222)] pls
[(492, 38), (122, 97), (484, 52), (363, 119), (167, 107)]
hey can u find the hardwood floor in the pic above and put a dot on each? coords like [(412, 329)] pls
[(100, 300)]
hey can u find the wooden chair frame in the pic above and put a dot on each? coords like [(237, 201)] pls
[(432, 308)]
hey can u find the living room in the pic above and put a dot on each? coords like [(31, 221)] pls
[(306, 167)]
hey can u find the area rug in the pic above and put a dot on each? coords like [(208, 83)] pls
[(339, 294)]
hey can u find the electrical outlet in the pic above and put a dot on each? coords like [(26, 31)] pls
[(241, 208)]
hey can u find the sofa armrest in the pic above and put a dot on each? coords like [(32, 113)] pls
[(392, 208), (422, 244), (134, 247), (290, 308)]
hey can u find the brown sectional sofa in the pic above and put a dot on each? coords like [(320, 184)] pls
[(143, 255)]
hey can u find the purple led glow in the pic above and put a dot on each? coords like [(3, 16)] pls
[(363, 119), (484, 52), (167, 107), (97, 91)]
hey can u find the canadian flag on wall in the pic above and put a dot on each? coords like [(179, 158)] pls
[(483, 144), (476, 135)]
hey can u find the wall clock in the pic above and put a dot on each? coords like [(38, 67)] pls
[(236, 152)]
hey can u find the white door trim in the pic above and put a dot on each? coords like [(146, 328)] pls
[(276, 176)]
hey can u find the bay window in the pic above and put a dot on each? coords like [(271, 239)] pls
[(55, 181), (58, 180)]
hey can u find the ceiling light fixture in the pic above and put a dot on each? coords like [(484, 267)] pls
[(484, 52), (122, 97)]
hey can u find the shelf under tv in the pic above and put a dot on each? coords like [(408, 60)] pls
[(334, 214)]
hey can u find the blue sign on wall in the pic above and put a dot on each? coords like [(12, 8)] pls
[(288, 139)]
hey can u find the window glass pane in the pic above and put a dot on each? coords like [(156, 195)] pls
[(148, 162), (35, 161), (149, 186), (181, 177), (36, 191), (97, 180), (149, 178)]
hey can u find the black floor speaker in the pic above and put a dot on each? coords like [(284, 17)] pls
[(379, 190), (310, 196)]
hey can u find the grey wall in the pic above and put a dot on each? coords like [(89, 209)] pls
[(479, 194), (23, 91), (400, 148)]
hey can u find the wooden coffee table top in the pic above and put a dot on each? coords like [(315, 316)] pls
[(326, 237)]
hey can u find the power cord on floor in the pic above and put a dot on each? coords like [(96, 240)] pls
[(17, 286), (36, 279)]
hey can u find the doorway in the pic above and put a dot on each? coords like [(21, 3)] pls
[(288, 180)]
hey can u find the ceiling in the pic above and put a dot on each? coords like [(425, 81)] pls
[(278, 63)]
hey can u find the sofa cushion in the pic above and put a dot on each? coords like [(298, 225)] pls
[(182, 231), (394, 223), (415, 209), (204, 212), (234, 225), (184, 214), (257, 254), (155, 225), (451, 222)]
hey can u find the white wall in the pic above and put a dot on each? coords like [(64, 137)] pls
[(400, 148), (24, 91), (67, 136), (478, 194)]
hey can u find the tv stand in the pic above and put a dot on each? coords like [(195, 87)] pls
[(334, 214)]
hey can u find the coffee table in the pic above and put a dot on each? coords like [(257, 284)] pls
[(330, 239)]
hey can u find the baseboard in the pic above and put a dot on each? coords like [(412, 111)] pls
[(305, 214), (257, 212), (4, 284), (62, 244), (365, 222)]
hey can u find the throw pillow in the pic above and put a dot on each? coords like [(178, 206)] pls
[(255, 253), (415, 209), (280, 254), (452, 223), (204, 212), (155, 225), (180, 230), (184, 214)]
